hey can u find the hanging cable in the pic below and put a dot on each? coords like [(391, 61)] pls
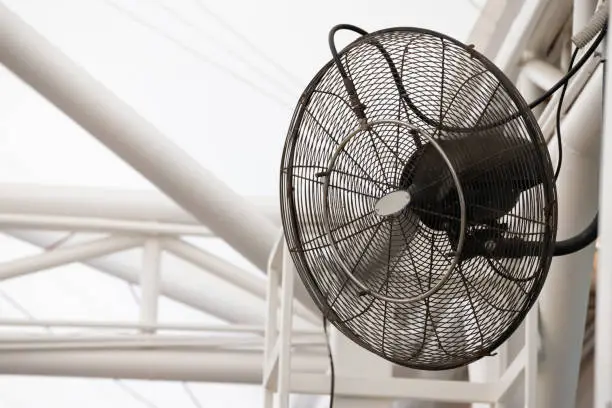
[(349, 85), (279, 84), (558, 119), (332, 369), (359, 108), (572, 71), (196, 53), (194, 400), (578, 242), (201, 4)]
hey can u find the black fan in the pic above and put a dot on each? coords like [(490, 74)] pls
[(418, 198)]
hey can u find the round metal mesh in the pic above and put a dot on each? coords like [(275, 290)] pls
[(476, 115)]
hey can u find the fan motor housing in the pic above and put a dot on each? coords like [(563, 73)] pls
[(425, 236)]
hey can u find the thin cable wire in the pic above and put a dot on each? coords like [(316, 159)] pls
[(572, 70), (61, 241), (192, 395), (10, 300), (135, 394), (196, 53), (133, 293), (558, 118), (281, 85), (332, 385), (246, 41)]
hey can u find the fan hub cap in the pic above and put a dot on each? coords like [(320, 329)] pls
[(392, 203)]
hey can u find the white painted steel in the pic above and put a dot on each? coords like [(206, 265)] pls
[(65, 255), (120, 128)]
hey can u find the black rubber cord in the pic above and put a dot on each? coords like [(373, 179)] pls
[(578, 242)]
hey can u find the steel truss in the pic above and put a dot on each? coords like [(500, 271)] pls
[(282, 332)]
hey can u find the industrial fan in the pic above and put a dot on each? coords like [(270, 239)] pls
[(418, 198)]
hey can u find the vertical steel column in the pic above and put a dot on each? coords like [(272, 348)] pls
[(150, 282), (531, 363), (603, 320), (286, 325), (564, 300), (271, 329)]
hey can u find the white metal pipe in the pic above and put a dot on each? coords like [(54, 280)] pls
[(109, 342), (110, 325), (150, 282), (564, 300), (286, 324), (107, 203), (541, 73), (47, 337), (603, 323), (228, 272), (185, 365), (531, 362), (182, 282), (217, 266), (90, 224), (523, 27), (485, 370), (271, 325), (120, 128), (529, 90), (66, 255)]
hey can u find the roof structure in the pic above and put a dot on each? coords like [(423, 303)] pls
[(220, 81)]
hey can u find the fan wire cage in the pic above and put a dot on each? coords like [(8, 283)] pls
[(391, 274)]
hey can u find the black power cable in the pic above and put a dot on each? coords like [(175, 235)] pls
[(558, 118), (332, 387), (579, 241), (359, 108), (572, 70)]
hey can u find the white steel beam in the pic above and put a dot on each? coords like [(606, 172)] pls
[(122, 325), (185, 365), (107, 203), (87, 224), (121, 129), (394, 388), (150, 281), (564, 299), (182, 282), (491, 28), (514, 45), (219, 267), (541, 73), (66, 255), (229, 272), (603, 324), (582, 12)]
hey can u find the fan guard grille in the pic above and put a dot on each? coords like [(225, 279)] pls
[(484, 299)]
